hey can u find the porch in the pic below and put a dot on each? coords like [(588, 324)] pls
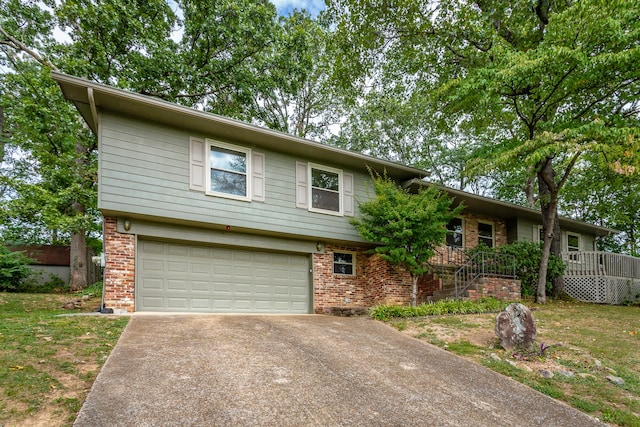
[(602, 277)]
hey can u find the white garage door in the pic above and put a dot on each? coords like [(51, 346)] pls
[(191, 278)]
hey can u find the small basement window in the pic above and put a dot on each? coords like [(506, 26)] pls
[(344, 263)]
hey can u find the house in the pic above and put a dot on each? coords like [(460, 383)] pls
[(207, 214), (52, 263)]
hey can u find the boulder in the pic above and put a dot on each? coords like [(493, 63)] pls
[(515, 327)]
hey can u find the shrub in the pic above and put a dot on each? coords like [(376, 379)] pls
[(14, 269), (438, 308), (527, 263)]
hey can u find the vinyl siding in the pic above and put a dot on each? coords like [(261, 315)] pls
[(524, 230), (144, 171)]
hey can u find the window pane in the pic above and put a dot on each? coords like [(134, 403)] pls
[(485, 230), (324, 179), (486, 241), (343, 269), (454, 239), (228, 183), (327, 200), (343, 258), (573, 242), (454, 233), (228, 160), (342, 263)]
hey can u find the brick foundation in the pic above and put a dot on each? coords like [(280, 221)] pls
[(119, 272), (375, 282), (496, 287)]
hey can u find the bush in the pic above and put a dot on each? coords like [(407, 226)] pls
[(527, 263), (14, 269), (438, 308)]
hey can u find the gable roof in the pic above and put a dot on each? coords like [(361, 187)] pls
[(90, 97), (504, 210)]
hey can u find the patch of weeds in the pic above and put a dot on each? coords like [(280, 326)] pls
[(533, 352), (437, 342), (464, 348), (620, 417), (584, 405), (399, 325), (547, 387)]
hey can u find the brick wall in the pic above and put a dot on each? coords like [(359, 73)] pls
[(496, 287), (338, 290), (119, 274), (470, 228), (375, 282), (387, 283)]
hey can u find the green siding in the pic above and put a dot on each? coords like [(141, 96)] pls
[(144, 171)]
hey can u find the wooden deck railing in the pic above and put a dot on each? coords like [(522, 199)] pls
[(601, 264)]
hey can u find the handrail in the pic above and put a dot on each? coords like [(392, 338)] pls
[(484, 264), (601, 264)]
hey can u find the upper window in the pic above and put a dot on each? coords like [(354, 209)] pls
[(454, 233), (573, 242), (485, 234), (344, 263), (229, 170), (326, 189)]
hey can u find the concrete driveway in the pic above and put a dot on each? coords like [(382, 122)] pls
[(235, 370)]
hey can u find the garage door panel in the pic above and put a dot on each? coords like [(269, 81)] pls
[(181, 277)]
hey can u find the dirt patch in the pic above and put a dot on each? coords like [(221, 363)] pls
[(478, 330)]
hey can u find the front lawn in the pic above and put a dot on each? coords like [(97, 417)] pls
[(47, 362), (590, 346)]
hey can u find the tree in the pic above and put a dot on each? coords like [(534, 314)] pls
[(215, 57), (607, 198), (296, 95), (407, 227), (541, 82)]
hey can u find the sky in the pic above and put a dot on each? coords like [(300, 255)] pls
[(286, 6)]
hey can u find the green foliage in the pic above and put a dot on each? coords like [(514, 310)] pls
[(527, 257), (438, 308), (14, 269), (541, 87), (407, 227)]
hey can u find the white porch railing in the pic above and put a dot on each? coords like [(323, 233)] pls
[(602, 277)]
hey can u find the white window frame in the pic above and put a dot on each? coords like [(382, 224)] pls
[(493, 232), (353, 263), (537, 231), (339, 172), (462, 224), (248, 174)]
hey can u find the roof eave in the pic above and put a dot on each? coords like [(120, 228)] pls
[(107, 98)]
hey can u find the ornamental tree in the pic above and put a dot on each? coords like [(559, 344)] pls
[(406, 227)]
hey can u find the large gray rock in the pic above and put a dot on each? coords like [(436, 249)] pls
[(515, 327)]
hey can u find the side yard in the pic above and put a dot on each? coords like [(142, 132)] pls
[(586, 349), (49, 362)]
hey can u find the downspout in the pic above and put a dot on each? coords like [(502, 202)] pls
[(102, 260)]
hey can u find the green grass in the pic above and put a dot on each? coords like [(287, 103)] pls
[(48, 362), (588, 339)]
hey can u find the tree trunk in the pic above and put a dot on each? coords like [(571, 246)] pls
[(414, 290), (548, 194), (78, 261)]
